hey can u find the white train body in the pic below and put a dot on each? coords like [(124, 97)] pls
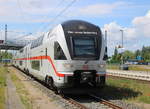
[(70, 54)]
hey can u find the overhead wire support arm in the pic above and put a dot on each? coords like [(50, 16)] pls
[(16, 31), (22, 36)]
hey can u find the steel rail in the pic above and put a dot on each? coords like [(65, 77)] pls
[(105, 102), (75, 103)]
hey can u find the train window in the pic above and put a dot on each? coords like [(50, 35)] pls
[(49, 34), (21, 51), (20, 63), (35, 65), (37, 42), (58, 52), (105, 54), (84, 46)]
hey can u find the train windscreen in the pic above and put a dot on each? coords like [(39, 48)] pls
[(84, 46)]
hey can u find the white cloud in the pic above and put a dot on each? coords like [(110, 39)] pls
[(100, 9), (29, 10), (35, 10), (113, 30), (115, 34), (132, 35), (142, 25), (140, 28)]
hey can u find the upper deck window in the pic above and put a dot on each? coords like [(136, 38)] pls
[(37, 42), (21, 50)]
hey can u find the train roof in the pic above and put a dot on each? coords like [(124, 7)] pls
[(79, 25)]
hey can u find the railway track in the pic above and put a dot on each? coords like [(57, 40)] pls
[(100, 101), (107, 104), (68, 101)]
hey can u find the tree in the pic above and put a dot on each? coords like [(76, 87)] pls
[(5, 55), (128, 55), (137, 53), (116, 56), (146, 53)]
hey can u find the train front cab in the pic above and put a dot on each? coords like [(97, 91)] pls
[(86, 66)]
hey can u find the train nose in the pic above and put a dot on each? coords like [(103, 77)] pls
[(86, 77)]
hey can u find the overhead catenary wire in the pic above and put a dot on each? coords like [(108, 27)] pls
[(53, 20), (26, 34), (59, 4), (22, 36), (59, 14), (16, 31)]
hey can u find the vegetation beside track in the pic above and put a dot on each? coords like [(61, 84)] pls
[(3, 72), (113, 66), (23, 93), (140, 68), (131, 67), (128, 90)]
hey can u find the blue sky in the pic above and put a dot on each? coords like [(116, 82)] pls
[(36, 16)]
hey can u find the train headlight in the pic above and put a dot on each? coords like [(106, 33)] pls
[(68, 65)]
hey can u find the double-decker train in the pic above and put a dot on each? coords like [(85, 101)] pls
[(72, 54)]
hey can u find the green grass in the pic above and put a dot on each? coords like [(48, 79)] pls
[(139, 68), (3, 72), (115, 67), (126, 89), (23, 93)]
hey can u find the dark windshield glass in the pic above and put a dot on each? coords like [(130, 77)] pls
[(84, 46)]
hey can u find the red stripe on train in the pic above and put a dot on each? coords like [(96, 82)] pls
[(44, 57)]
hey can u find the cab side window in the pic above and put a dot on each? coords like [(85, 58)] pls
[(105, 55), (58, 52)]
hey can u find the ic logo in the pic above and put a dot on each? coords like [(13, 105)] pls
[(81, 27)]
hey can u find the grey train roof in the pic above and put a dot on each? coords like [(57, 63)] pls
[(79, 25)]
